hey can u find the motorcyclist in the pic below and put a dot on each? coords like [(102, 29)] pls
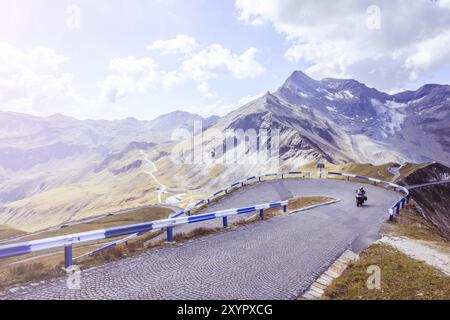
[(361, 192), (360, 196)]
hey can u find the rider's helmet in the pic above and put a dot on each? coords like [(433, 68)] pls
[(361, 188)]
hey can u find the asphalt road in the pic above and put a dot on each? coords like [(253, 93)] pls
[(273, 259)]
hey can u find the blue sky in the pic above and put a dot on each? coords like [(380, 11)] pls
[(97, 64)]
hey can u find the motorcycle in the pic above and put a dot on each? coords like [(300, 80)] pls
[(359, 201), (360, 198)]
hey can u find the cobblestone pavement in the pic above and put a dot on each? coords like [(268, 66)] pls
[(274, 259)]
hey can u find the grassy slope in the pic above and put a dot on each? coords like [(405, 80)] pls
[(402, 277), (132, 217), (366, 169), (412, 225), (409, 168), (75, 202), (8, 232), (434, 201), (97, 194)]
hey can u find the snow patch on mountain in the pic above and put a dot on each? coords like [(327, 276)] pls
[(365, 148), (391, 114)]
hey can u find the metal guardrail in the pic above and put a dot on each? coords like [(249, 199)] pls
[(205, 201), (67, 241), (395, 209), (237, 184)]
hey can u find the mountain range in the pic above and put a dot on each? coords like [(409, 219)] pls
[(54, 169), (342, 120)]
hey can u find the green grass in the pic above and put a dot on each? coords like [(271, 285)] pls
[(401, 278)]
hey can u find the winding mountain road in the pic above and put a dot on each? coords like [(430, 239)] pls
[(274, 259)]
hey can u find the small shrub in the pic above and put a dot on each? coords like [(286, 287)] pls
[(25, 272), (135, 245), (26, 269), (202, 231), (112, 253)]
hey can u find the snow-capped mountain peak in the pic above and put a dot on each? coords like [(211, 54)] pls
[(367, 124)]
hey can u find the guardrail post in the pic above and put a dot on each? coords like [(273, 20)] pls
[(403, 203), (408, 197), (225, 222), (395, 188), (282, 176), (348, 178), (207, 200), (391, 215), (259, 179), (397, 208), (189, 212), (261, 214), (242, 183), (226, 191), (170, 234), (68, 255), (285, 208)]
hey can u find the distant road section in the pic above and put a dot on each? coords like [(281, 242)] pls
[(428, 184), (274, 259)]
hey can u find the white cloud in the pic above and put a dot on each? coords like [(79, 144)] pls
[(221, 109), (204, 88), (37, 59), (429, 54), (214, 61), (335, 38), (181, 44), (132, 75), (34, 81), (200, 66), (31, 81)]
